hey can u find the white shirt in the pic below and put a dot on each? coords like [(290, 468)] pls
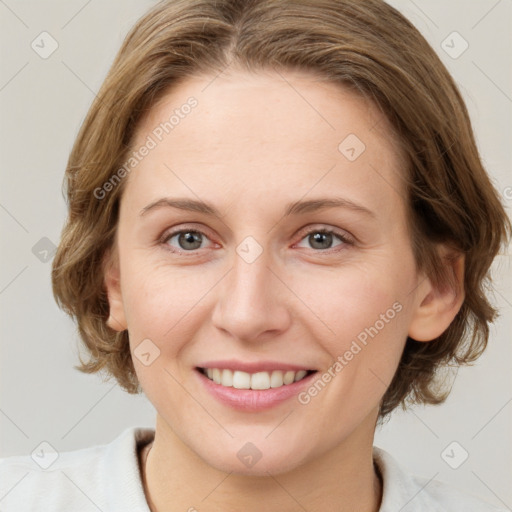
[(106, 478)]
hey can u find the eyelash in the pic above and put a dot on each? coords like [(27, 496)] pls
[(346, 240)]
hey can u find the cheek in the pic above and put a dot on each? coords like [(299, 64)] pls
[(164, 311), (364, 312), (168, 306), (158, 298)]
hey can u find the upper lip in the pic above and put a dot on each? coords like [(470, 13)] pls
[(254, 367)]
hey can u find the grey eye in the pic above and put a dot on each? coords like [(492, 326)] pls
[(187, 240), (321, 240)]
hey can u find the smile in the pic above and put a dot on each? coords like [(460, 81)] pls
[(256, 381)]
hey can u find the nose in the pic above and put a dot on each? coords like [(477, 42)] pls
[(253, 303)]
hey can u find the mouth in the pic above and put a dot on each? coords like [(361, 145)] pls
[(253, 387), (239, 379)]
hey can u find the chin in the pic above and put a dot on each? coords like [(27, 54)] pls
[(253, 459)]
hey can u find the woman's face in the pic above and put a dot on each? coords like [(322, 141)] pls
[(264, 231)]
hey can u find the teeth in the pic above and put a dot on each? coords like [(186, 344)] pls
[(227, 378), (259, 380), (289, 377), (241, 380), (276, 379), (300, 375)]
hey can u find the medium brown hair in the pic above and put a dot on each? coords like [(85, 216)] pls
[(365, 45)]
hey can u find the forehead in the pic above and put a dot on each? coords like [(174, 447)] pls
[(266, 134)]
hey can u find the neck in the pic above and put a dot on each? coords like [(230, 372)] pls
[(342, 480)]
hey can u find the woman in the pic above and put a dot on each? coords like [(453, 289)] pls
[(279, 230)]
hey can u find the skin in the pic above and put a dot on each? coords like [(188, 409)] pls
[(251, 146)]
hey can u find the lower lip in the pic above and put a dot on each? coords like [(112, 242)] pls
[(253, 400)]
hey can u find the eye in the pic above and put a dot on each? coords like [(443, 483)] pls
[(185, 240), (190, 240), (322, 239)]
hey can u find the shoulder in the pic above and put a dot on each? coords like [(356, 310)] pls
[(407, 493), (104, 477)]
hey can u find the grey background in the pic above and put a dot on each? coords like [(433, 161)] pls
[(42, 104)]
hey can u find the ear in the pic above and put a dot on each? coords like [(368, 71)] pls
[(438, 304), (117, 318)]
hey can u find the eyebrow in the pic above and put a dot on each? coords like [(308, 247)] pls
[(295, 208)]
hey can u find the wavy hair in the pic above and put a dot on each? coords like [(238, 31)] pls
[(365, 45)]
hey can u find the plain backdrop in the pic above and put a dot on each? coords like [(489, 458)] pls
[(42, 104)]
